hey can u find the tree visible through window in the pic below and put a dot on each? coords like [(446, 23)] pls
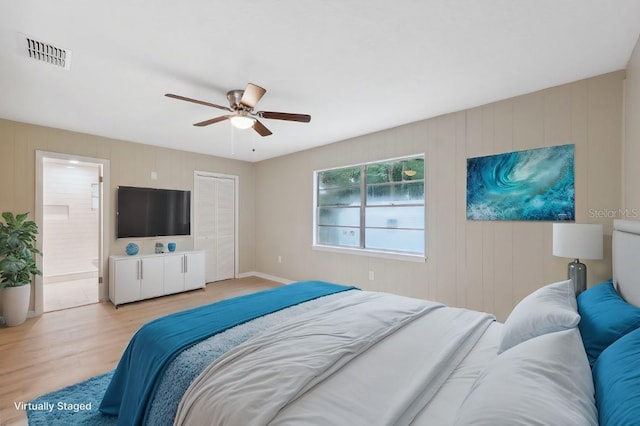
[(375, 206)]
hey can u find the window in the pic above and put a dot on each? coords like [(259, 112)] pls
[(373, 207)]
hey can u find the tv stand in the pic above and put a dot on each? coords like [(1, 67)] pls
[(134, 278)]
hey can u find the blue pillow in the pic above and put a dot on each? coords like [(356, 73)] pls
[(604, 318), (616, 376)]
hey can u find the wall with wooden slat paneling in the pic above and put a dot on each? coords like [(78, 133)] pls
[(631, 148), (477, 264)]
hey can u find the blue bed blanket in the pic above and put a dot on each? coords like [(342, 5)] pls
[(157, 343)]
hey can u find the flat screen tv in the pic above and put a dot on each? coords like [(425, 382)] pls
[(150, 212)]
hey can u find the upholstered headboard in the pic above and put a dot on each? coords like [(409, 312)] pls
[(626, 259)]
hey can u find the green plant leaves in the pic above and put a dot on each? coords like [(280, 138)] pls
[(17, 248)]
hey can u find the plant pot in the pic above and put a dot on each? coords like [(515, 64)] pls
[(15, 304)]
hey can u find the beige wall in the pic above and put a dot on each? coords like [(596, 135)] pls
[(481, 265), (631, 149), (130, 164)]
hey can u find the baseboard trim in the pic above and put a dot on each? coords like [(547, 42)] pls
[(265, 276)]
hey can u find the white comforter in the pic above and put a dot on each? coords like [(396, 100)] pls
[(329, 366)]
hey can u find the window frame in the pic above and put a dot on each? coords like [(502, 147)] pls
[(364, 186)]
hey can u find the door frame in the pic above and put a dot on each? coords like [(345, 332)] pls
[(236, 212), (103, 222)]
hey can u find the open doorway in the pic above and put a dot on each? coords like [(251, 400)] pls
[(70, 234), (70, 217)]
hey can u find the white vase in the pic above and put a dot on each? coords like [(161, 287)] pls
[(15, 304)]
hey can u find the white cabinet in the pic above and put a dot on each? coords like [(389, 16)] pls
[(133, 278), (126, 273), (174, 273), (151, 277), (194, 275), (184, 271)]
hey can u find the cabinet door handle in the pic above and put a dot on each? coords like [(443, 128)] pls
[(141, 269), (182, 265), (186, 265), (138, 270)]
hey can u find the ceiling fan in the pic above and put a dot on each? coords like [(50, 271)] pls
[(241, 105)]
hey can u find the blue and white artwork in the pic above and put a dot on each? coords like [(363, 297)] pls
[(537, 184)]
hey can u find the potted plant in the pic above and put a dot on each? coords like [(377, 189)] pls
[(17, 265)]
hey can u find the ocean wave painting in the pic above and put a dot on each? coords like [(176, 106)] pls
[(537, 184)]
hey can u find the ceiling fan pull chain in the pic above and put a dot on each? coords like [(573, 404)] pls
[(233, 134)]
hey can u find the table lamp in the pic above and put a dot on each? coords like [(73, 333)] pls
[(577, 241)]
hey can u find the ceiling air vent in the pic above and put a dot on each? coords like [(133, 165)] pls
[(46, 52)]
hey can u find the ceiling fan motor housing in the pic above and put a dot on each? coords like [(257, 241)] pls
[(234, 97)]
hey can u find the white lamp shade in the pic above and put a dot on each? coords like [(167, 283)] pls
[(577, 240)]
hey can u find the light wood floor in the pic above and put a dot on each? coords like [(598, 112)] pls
[(61, 348)]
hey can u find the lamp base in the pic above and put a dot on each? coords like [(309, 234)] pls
[(577, 272)]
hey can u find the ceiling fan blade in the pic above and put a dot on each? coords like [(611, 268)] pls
[(259, 127), (212, 121), (252, 94), (303, 118), (195, 101)]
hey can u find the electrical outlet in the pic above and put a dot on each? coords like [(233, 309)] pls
[(371, 276), (279, 259)]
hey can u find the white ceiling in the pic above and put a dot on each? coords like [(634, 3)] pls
[(355, 66)]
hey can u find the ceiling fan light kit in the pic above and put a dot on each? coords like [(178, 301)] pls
[(242, 121), (241, 105)]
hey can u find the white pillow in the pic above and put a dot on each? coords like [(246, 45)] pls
[(543, 381), (546, 310)]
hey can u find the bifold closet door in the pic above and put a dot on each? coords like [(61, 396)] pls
[(225, 228), (214, 218)]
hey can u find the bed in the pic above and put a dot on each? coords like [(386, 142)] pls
[(317, 353)]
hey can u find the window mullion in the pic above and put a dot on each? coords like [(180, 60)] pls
[(363, 203)]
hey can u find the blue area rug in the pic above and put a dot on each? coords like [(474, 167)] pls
[(74, 405)]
